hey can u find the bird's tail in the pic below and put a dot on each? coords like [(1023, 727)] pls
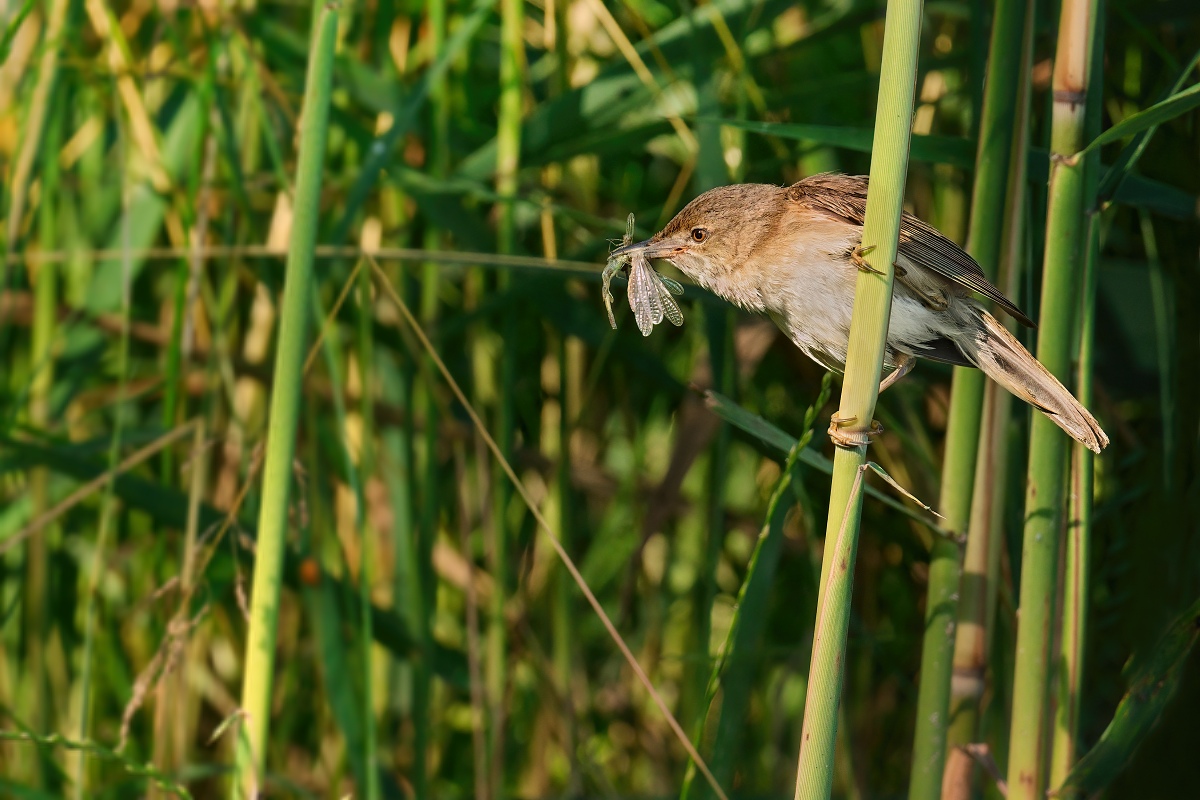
[(1003, 359)]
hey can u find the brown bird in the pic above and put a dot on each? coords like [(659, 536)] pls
[(794, 252)]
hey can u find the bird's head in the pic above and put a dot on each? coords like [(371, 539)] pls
[(717, 232)]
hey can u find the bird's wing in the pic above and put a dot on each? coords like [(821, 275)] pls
[(920, 244)]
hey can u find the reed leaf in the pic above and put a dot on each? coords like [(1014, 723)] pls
[(1154, 676)]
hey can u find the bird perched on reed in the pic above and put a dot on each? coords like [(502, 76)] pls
[(793, 253)]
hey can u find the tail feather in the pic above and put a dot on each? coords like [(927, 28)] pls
[(1006, 361)]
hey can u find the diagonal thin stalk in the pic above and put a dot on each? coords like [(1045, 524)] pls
[(544, 525), (1029, 738), (284, 414), (966, 405), (864, 363)]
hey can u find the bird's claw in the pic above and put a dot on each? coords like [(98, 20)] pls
[(852, 439), (856, 258)]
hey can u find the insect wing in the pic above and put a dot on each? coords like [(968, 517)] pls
[(673, 286), (670, 307), (637, 299), (653, 297), (643, 296)]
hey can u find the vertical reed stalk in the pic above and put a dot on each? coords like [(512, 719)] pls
[(570, 354), (562, 622), (368, 554), (418, 529), (284, 413), (721, 358), (33, 129), (108, 511), (868, 334), (44, 278), (1077, 533), (1029, 739), (966, 403), (365, 755), (1077, 542), (171, 733), (710, 171), (508, 153), (981, 562)]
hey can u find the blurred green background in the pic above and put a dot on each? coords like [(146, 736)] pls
[(148, 149)]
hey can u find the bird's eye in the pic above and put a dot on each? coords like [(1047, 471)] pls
[(699, 234)]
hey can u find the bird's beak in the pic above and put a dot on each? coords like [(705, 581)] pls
[(651, 248)]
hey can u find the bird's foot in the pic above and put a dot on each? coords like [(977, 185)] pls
[(904, 365), (856, 258), (851, 438)]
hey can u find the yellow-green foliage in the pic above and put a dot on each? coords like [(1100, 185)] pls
[(150, 180)]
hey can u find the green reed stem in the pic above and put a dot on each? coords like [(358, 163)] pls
[(1068, 682), (284, 414), (1029, 739), (36, 703), (367, 775), (733, 670), (984, 239), (108, 507), (864, 363), (1077, 547), (981, 561), (33, 129), (508, 152)]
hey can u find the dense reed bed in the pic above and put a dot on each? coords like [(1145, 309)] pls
[(310, 407)]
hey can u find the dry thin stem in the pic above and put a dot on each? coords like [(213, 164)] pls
[(613, 28), (550, 535), (957, 778), (331, 316), (95, 484), (320, 252), (197, 561), (478, 746)]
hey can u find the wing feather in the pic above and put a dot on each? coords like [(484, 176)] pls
[(920, 244)]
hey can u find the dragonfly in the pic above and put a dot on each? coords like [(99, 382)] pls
[(651, 296)]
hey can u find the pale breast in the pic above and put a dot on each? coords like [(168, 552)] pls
[(812, 284)]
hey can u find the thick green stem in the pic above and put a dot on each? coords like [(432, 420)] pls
[(966, 405), (981, 562), (1029, 738), (1077, 533), (284, 415), (1077, 541), (864, 362)]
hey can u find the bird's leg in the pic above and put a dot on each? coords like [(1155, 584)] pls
[(851, 438), (904, 365), (856, 258)]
